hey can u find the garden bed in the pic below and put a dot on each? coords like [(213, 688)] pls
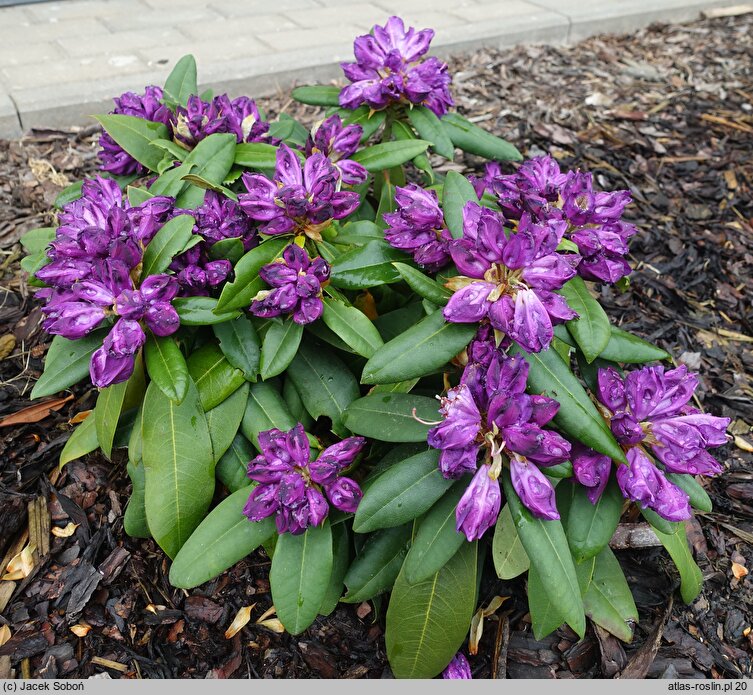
[(666, 112)]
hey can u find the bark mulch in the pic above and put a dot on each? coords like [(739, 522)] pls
[(666, 112)]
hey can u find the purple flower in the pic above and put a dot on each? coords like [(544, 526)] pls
[(296, 489), (148, 106), (390, 68), (299, 200), (591, 469), (478, 508), (219, 218), (338, 142), (296, 282), (418, 227), (458, 668), (510, 280), (114, 361), (533, 488)]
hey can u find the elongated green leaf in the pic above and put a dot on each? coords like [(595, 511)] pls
[(629, 348), (240, 344), (427, 622), (215, 378), (167, 367), (295, 405), (326, 386), (456, 193), (212, 159), (299, 577), (168, 242), (231, 468), (546, 546), (69, 194), (107, 413), (265, 410), (201, 311), (422, 285), (659, 523), (177, 151), (402, 131), (37, 240), (171, 182), (359, 233), (378, 563), (424, 347), (179, 466), (340, 562), (389, 416), (225, 537), (227, 249), (430, 128), (136, 441), (134, 519), (699, 498), (366, 266), (577, 415), (224, 420), (135, 136), (181, 82), (279, 347), (317, 95), (591, 330), (352, 326), (82, 441), (691, 578), (67, 363), (289, 130), (386, 155), (239, 293), (370, 121), (508, 553), (256, 155), (401, 493), (436, 539), (546, 613), (470, 138), (606, 594)]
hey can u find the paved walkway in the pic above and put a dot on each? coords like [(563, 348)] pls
[(61, 61)]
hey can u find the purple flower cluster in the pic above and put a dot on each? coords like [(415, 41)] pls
[(297, 282), (390, 68), (490, 413), (592, 220), (458, 668), (148, 106), (293, 487), (510, 280), (299, 200), (418, 227), (648, 413), (337, 142), (97, 248)]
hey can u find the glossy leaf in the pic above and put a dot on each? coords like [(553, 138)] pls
[(629, 348), (166, 366), (201, 311), (227, 249), (430, 128), (240, 344), (386, 155), (370, 121), (36, 240), (265, 410), (67, 363), (107, 413), (224, 420), (82, 441), (279, 347), (69, 194), (699, 498), (422, 285), (215, 378), (340, 562), (256, 155), (691, 578), (508, 553), (168, 242), (135, 136), (359, 233), (181, 82), (366, 266), (317, 95), (352, 326), (231, 468), (591, 330), (134, 519), (456, 193), (212, 159), (470, 138), (388, 417), (546, 613)]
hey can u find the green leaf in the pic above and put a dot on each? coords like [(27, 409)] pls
[(135, 441), (388, 417), (166, 366), (36, 240), (107, 413), (289, 130), (606, 595), (179, 466), (240, 344), (386, 155), (69, 194), (402, 131), (215, 378), (225, 537), (359, 233), (436, 539), (422, 285), (279, 347), (629, 348), (239, 293), (403, 492), (457, 191), (591, 330), (369, 121), (325, 384), (265, 410), (67, 363), (352, 326), (82, 441), (201, 311), (340, 562), (589, 527), (659, 523), (508, 553), (299, 576), (378, 563), (691, 578), (470, 138), (227, 249), (135, 135), (699, 498), (317, 95), (295, 405), (171, 183), (577, 416), (231, 468), (546, 615), (426, 346), (256, 155), (224, 420), (212, 159), (366, 266), (134, 520), (427, 622), (32, 264), (168, 242), (177, 151), (202, 183), (181, 82), (430, 128), (545, 544)]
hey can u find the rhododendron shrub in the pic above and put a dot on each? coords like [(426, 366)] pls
[(384, 373)]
